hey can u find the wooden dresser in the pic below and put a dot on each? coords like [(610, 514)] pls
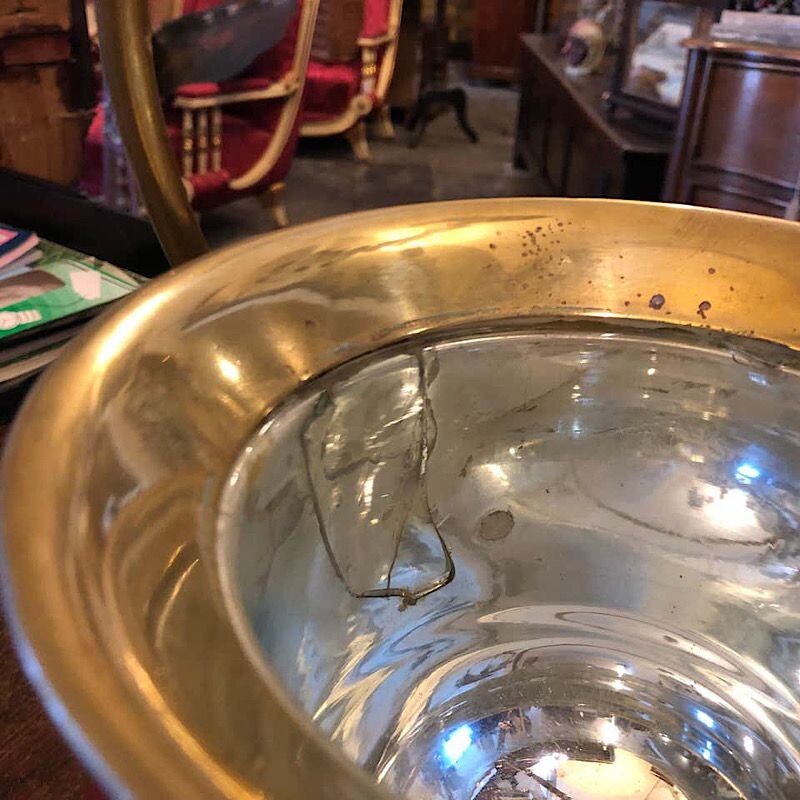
[(47, 95), (738, 138), (564, 132), (496, 27)]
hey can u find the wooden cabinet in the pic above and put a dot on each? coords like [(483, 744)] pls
[(497, 25), (46, 87), (564, 132), (738, 137)]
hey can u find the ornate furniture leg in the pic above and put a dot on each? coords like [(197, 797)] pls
[(383, 123), (357, 136), (273, 202)]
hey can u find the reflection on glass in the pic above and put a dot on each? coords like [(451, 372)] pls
[(658, 61), (480, 586)]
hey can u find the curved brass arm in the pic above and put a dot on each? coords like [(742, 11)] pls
[(124, 29)]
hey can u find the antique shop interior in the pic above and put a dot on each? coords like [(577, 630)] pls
[(219, 212)]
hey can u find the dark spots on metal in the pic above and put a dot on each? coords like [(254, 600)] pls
[(712, 271), (731, 288), (492, 246), (657, 301), (638, 294), (627, 302), (524, 285), (703, 307), (622, 277), (620, 255), (309, 323), (668, 313), (496, 525), (563, 302)]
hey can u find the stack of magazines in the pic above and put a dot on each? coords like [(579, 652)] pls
[(47, 293)]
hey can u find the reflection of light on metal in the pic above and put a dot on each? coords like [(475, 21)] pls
[(621, 670), (576, 387), (756, 378), (366, 493), (119, 337), (497, 471), (609, 732), (749, 747), (696, 458), (706, 752), (745, 473), (546, 766), (645, 396), (617, 685), (627, 776), (730, 510), (705, 718), (457, 743), (229, 370), (651, 371), (399, 239)]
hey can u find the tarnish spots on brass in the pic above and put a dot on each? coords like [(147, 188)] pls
[(657, 301), (703, 307)]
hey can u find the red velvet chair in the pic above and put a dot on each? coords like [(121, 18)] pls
[(232, 139), (340, 96)]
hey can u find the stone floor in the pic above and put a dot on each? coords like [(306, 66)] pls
[(326, 179)]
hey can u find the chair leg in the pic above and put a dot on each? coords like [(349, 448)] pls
[(273, 202), (357, 136), (383, 123)]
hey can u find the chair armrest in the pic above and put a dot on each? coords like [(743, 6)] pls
[(284, 87), (376, 41)]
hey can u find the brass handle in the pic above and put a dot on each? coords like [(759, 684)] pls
[(124, 28)]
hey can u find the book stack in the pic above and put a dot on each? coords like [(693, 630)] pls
[(47, 294)]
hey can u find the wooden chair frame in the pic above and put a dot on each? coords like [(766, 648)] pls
[(375, 82), (202, 143)]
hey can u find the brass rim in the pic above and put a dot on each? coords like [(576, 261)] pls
[(367, 281)]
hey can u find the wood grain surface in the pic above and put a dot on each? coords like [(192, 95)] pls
[(35, 764)]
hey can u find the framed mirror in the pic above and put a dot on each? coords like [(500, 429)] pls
[(651, 63)]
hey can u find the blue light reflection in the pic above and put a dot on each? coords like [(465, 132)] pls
[(457, 743)]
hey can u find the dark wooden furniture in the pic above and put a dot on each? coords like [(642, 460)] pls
[(434, 93), (336, 32), (66, 216), (496, 27), (35, 764), (564, 132), (46, 87), (738, 138)]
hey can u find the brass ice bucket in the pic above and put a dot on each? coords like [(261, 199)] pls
[(488, 499)]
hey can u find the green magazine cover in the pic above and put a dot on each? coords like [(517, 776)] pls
[(59, 284)]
